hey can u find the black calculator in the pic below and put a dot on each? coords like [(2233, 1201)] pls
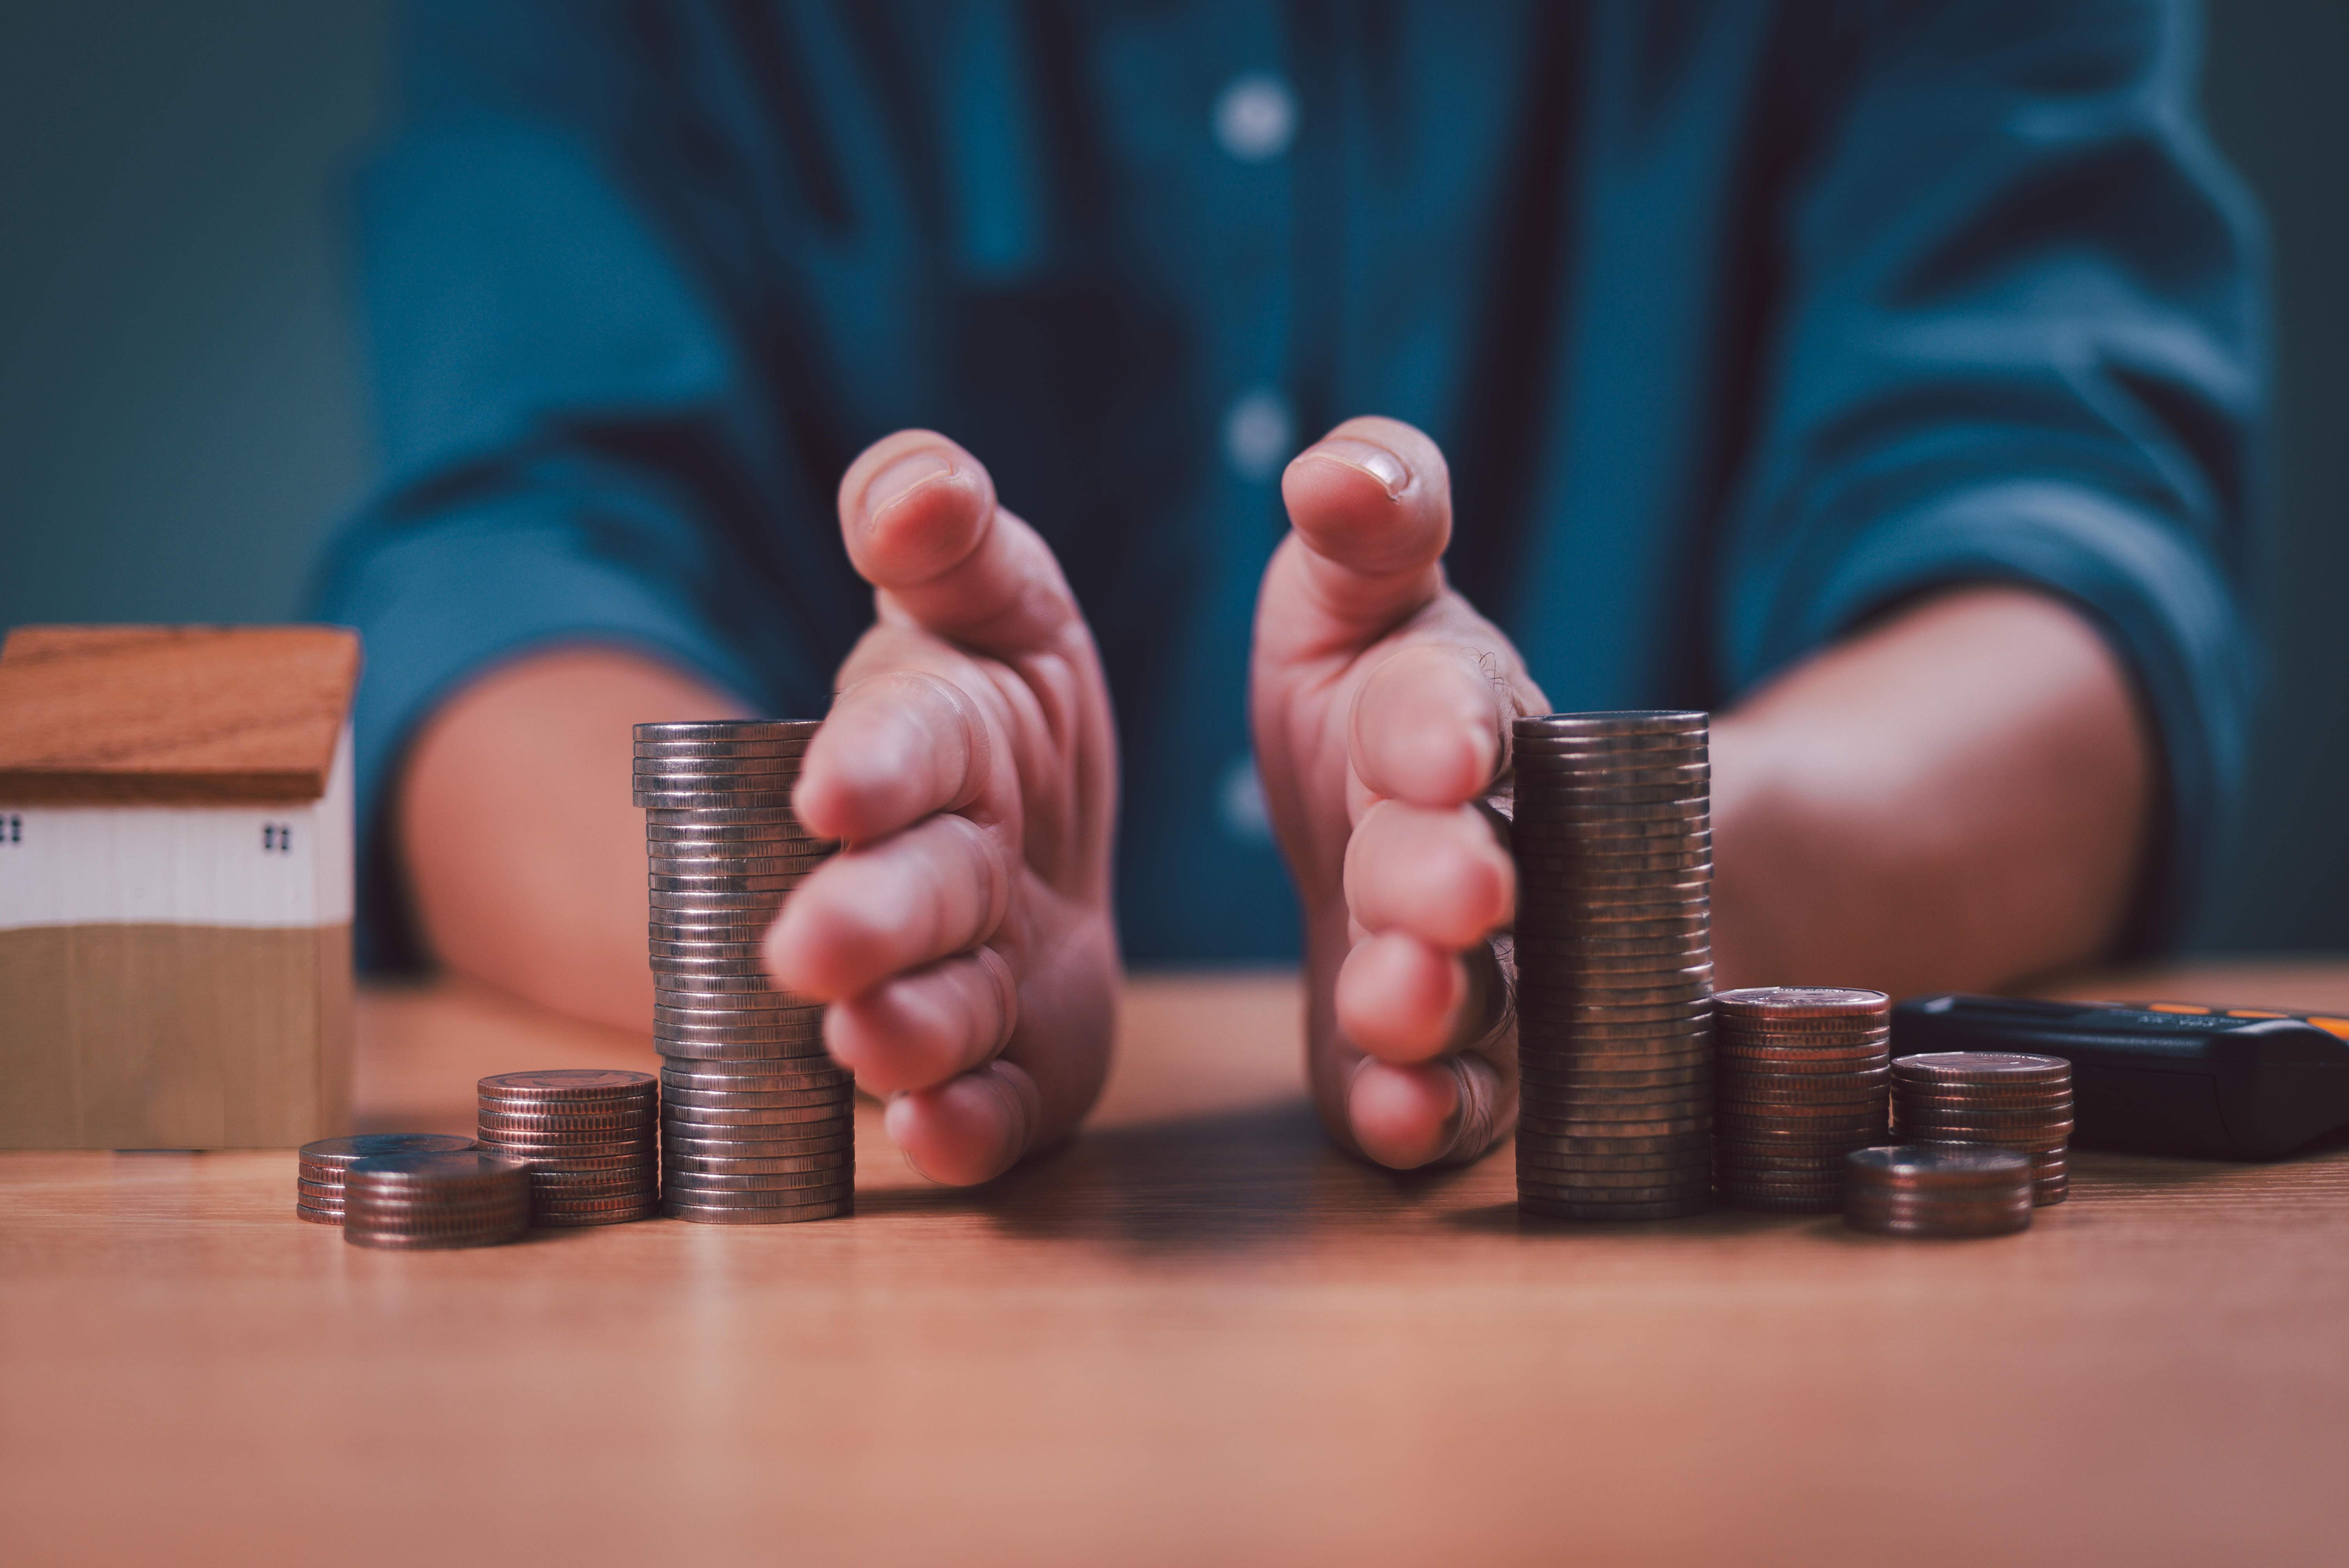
[(2163, 1077)]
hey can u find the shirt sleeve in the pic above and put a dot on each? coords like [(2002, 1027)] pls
[(2021, 340), (568, 435)]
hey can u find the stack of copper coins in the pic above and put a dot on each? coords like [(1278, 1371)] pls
[(1801, 1078), (1998, 1098), (757, 1123), (318, 1172), (1613, 842), (416, 1202), (1937, 1190), (591, 1138)]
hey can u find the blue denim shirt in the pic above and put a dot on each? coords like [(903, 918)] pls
[(1737, 321)]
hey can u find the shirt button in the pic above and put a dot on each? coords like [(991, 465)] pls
[(1258, 434), (1255, 117), (1240, 803)]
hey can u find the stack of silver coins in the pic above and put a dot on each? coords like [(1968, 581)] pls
[(415, 1203), (1802, 1075), (2002, 1098), (590, 1137), (1613, 841), (1937, 1190), (757, 1123), (318, 1170)]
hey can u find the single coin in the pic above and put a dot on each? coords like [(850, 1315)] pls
[(562, 1160), (759, 1197), (718, 817), (1953, 1096), (568, 1084), (2048, 1116), (1946, 1167), (404, 1241), (703, 802), (318, 1216), (449, 1171), (341, 1152), (751, 933), (824, 1139), (726, 886), (762, 863), (743, 957), (721, 1099), (1803, 1002), (720, 750), (826, 1078), (684, 1116), (1696, 1075), (696, 986), (671, 764), (734, 729), (691, 1184), (532, 1148), (1545, 1157), (707, 1216), (1982, 1067), (740, 1051), (494, 1123), (1584, 1127), (1610, 721), (319, 1194), (801, 1037), (784, 1164), (1561, 1192), (668, 997), (558, 1168)]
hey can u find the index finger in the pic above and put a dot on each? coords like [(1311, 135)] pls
[(897, 747)]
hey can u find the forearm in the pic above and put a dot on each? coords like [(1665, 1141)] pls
[(1957, 798), (523, 851)]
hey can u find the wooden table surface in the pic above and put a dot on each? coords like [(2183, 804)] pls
[(1195, 1335)]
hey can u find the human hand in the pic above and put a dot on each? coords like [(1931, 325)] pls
[(1380, 702), (964, 937)]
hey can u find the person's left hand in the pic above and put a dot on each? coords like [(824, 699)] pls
[(1380, 702)]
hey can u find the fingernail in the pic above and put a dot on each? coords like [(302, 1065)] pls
[(902, 479), (1376, 462)]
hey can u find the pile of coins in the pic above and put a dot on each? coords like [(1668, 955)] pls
[(757, 1124), (1937, 1190), (1613, 841), (1802, 1077), (591, 1139), (318, 1170), (2005, 1100), (413, 1203)]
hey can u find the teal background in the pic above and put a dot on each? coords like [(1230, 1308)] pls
[(181, 391)]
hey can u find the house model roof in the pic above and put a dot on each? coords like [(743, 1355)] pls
[(171, 715)]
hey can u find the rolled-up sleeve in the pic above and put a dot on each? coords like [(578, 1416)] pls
[(2022, 341), (569, 442)]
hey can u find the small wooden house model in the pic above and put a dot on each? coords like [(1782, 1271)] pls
[(175, 886)]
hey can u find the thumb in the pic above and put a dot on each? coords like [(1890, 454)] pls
[(919, 518), (1369, 507)]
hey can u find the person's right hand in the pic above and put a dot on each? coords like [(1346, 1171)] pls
[(964, 937)]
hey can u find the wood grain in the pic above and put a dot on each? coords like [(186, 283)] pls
[(1195, 1334), (175, 1036), (180, 714)]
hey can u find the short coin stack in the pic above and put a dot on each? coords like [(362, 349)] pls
[(1801, 1078), (757, 1123), (2006, 1100), (591, 1138), (1937, 1191), (1613, 840), (318, 1172), (415, 1203)]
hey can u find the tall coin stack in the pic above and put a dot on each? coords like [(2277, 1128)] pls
[(1613, 840), (412, 1202), (318, 1171), (590, 1137), (2005, 1100), (1801, 1078), (1937, 1190), (757, 1124)]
